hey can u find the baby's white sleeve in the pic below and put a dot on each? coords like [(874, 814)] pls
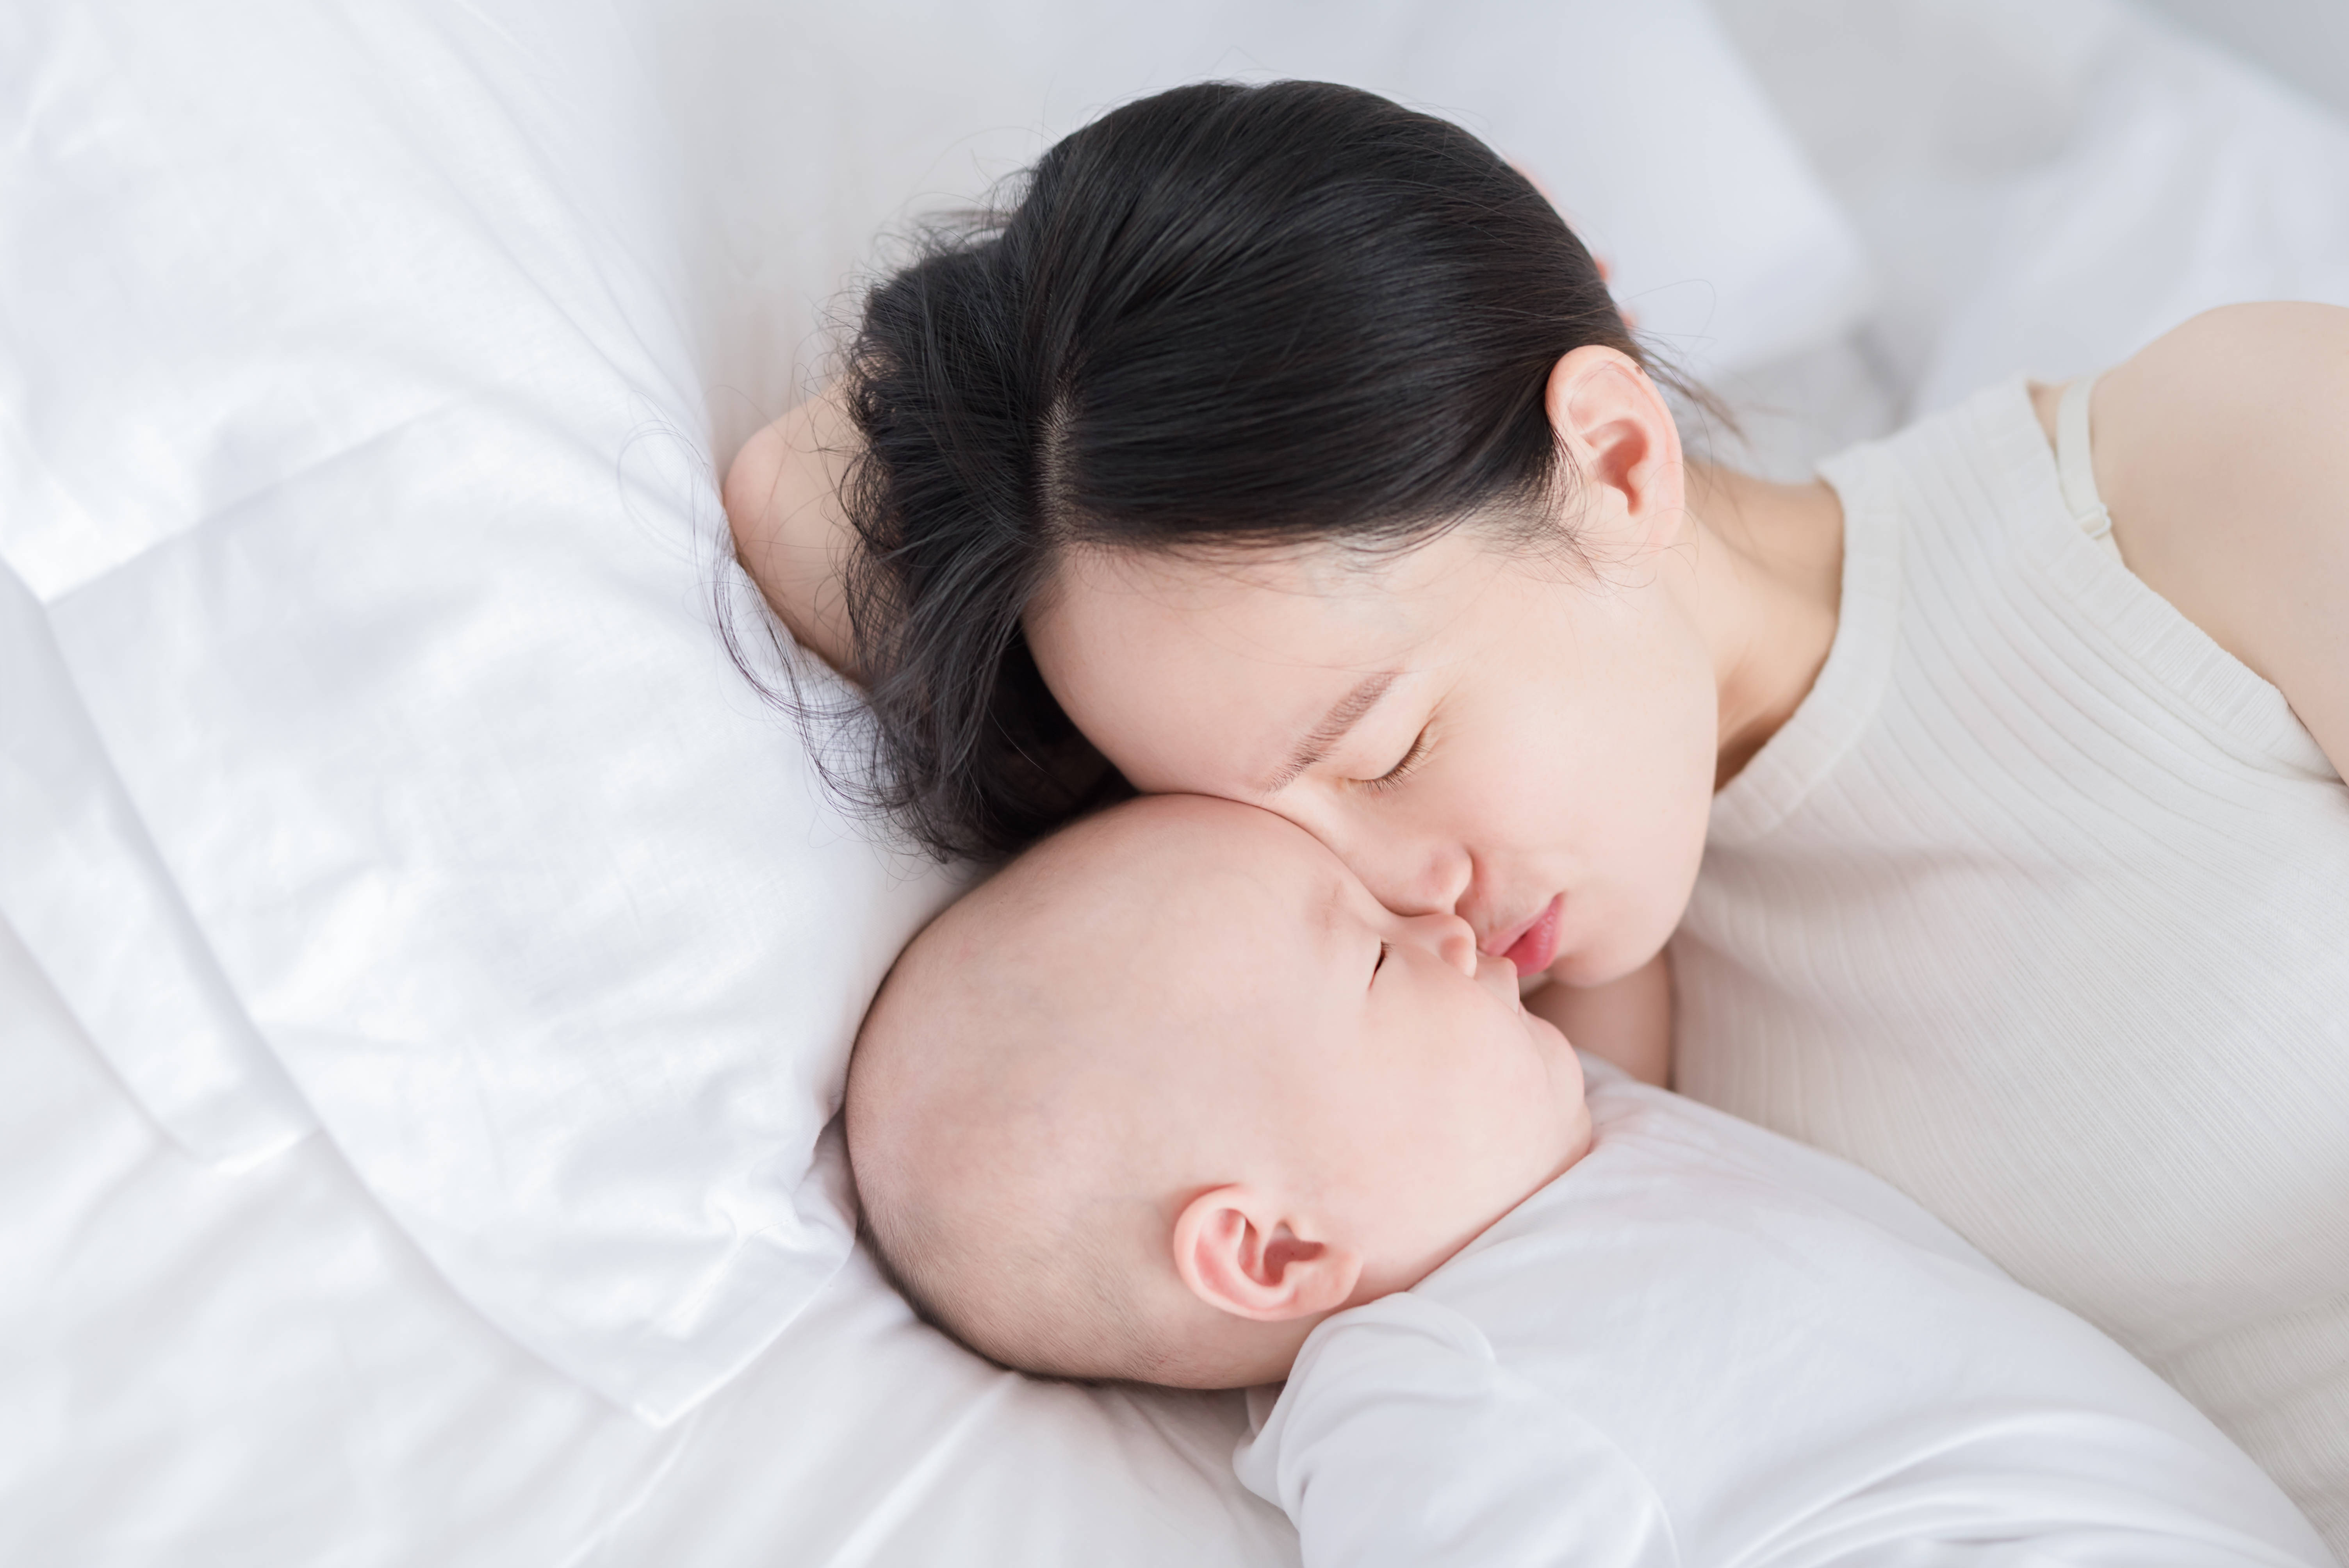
[(1401, 1441)]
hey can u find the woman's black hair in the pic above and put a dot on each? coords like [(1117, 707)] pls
[(1221, 316)]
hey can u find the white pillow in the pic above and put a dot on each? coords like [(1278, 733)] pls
[(354, 454)]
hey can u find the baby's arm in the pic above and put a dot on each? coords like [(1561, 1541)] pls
[(1628, 1022), (782, 502)]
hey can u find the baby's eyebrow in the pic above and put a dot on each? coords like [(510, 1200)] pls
[(1343, 715)]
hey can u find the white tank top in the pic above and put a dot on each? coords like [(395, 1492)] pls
[(2038, 907)]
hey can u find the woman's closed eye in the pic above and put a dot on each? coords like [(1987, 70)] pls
[(1402, 770)]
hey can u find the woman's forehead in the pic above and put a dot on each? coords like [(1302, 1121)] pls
[(1316, 607), (1216, 675)]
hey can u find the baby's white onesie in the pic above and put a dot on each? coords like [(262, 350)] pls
[(1705, 1344)]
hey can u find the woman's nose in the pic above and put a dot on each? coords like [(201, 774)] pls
[(1413, 878), (1447, 936)]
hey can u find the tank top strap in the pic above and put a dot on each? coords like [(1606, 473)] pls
[(2076, 466)]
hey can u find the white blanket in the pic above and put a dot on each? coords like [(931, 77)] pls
[(1707, 1344)]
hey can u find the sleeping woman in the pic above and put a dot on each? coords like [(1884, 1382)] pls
[(1281, 444)]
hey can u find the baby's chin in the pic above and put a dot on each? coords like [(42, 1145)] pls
[(1566, 1075), (1552, 1043)]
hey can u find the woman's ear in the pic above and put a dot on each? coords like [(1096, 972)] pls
[(1613, 427), (1239, 1253)]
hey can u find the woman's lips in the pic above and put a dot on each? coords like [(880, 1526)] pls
[(1535, 945)]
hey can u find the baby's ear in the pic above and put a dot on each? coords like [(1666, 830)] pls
[(1241, 1252)]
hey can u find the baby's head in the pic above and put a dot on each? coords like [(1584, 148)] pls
[(1173, 1087)]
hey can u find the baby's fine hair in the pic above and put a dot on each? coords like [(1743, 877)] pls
[(994, 1235), (1055, 1310)]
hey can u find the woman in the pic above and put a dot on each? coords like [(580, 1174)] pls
[(1283, 445)]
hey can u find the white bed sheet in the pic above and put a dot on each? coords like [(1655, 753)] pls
[(260, 1369)]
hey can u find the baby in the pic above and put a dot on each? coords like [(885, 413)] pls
[(1172, 1099)]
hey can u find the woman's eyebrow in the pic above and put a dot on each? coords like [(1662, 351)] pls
[(1343, 715)]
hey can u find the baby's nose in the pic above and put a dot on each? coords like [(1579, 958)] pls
[(1450, 938)]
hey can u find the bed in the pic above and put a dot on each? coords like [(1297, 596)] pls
[(251, 1314)]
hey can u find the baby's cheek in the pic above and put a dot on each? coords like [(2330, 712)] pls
[(1503, 1105), (1532, 1102)]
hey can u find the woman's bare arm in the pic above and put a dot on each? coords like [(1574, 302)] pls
[(782, 502), (2222, 452)]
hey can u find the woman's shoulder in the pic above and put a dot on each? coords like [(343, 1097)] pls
[(2220, 450)]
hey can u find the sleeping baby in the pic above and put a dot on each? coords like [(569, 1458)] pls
[(1172, 1099)]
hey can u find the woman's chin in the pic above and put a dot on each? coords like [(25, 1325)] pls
[(1606, 951)]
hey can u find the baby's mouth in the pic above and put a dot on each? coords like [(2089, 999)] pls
[(1533, 947)]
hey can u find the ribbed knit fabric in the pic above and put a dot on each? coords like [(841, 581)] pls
[(2039, 908)]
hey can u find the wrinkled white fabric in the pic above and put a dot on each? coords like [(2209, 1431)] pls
[(355, 459), (80, 877), (1705, 1344), (2187, 181), (2043, 186), (258, 1370)]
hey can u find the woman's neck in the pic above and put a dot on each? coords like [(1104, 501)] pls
[(1765, 578)]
